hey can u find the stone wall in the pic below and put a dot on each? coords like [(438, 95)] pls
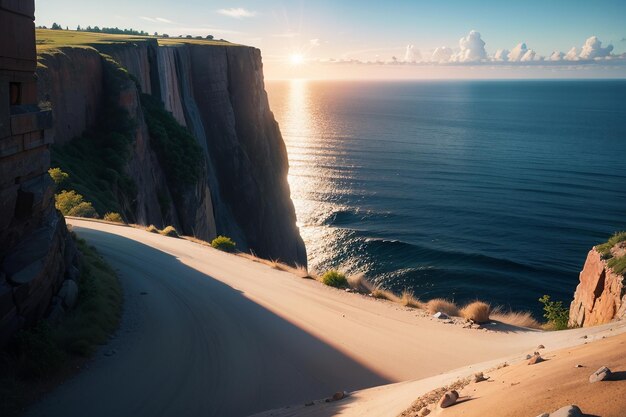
[(600, 296), (33, 236)]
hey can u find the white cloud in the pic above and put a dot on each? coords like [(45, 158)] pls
[(314, 42), (557, 56), (593, 49), (237, 12), (156, 19), (412, 55), (518, 52), (501, 55), (530, 55), (572, 55), (441, 54), (472, 48), (163, 20)]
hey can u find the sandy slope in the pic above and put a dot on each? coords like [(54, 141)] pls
[(208, 333)]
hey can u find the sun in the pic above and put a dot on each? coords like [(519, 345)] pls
[(296, 59)]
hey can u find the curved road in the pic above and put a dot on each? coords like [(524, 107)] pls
[(206, 333)]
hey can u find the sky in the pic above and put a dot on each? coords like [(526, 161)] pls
[(392, 39)]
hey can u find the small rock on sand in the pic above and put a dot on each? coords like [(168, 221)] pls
[(568, 411), (535, 359), (544, 415), (601, 374), (541, 347), (448, 399), (479, 377), (440, 315), (423, 412)]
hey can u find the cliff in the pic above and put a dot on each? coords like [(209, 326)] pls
[(600, 296), (215, 92)]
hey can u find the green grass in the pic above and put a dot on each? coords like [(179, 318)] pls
[(223, 243), (335, 279), (44, 354), (618, 265), (170, 231)]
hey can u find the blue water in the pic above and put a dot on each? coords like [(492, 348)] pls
[(486, 189)]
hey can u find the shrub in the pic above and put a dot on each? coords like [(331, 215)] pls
[(170, 231), (515, 318), (605, 248), (113, 217), (58, 176), (152, 229), (555, 313), (618, 265), (335, 279), (70, 203), (223, 243), (382, 294), (442, 305), (409, 300), (477, 311)]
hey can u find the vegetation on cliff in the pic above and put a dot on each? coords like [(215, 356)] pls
[(223, 243), (96, 161), (616, 263)]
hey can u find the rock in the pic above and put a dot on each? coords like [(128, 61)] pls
[(535, 359), (339, 395), (479, 377), (72, 273), (423, 412), (601, 374), (448, 399), (528, 356), (56, 311), (544, 415), (68, 293), (348, 290), (578, 366), (441, 316), (310, 403), (541, 347), (568, 411)]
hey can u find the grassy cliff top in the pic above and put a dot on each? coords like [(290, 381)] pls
[(48, 39)]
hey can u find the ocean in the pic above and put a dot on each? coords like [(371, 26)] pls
[(492, 190)]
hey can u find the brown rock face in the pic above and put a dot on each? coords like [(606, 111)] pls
[(600, 296)]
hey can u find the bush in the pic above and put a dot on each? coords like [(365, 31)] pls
[(409, 300), (223, 243), (113, 217), (555, 313), (152, 229), (477, 311), (58, 176), (70, 203), (441, 305), (170, 231), (605, 248), (335, 279)]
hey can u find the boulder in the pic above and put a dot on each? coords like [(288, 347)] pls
[(479, 377), (72, 273), (568, 411), (56, 311), (448, 399), (601, 374), (441, 316), (535, 359)]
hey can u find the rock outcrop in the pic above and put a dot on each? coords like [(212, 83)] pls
[(217, 92), (36, 252), (600, 296)]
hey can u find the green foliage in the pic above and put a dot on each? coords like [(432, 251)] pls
[(96, 162), (113, 217), (223, 243), (335, 279), (618, 265), (58, 176), (555, 313), (178, 152), (605, 248), (70, 203), (170, 231)]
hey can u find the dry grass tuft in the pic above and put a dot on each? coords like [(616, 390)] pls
[(515, 318), (409, 300), (477, 311), (381, 294), (359, 283), (152, 229), (445, 306)]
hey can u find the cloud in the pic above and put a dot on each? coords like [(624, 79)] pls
[(314, 42), (472, 48), (286, 35), (571, 55), (441, 54), (556, 56), (163, 20), (593, 49), (501, 55), (530, 55), (518, 52), (237, 12), (412, 55)]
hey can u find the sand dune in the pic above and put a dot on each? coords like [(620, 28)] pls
[(209, 333)]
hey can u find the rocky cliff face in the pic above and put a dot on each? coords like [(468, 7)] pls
[(600, 296), (217, 93)]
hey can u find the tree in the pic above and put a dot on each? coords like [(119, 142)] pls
[(56, 26), (78, 28), (209, 37)]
